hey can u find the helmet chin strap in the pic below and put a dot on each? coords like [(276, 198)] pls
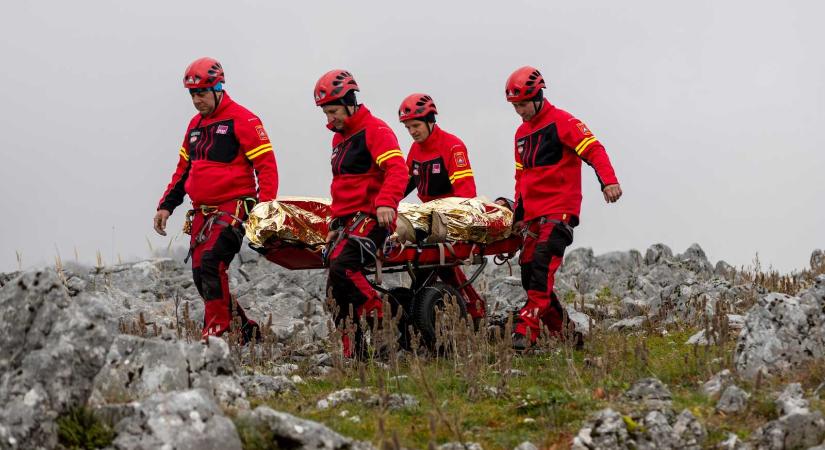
[(351, 112), (217, 101)]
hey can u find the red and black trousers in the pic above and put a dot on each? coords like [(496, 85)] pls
[(216, 237), (358, 245), (545, 240)]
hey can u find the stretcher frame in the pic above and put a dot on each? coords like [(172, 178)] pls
[(412, 258)]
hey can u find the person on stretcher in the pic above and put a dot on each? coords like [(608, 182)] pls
[(439, 167)]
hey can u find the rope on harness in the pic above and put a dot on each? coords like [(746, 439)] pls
[(213, 213), (365, 244)]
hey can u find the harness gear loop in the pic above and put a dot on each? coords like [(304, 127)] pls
[(187, 222), (365, 244), (213, 213)]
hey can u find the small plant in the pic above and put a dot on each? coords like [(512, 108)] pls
[(604, 296), (253, 437), (80, 429), (100, 265)]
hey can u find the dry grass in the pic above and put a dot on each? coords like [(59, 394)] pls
[(473, 388)]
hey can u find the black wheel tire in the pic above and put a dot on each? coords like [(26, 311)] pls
[(402, 297), (427, 301)]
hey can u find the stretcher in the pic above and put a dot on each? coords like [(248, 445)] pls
[(295, 255), (301, 224), (420, 300)]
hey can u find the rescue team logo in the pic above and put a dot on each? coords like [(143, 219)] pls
[(193, 136), (583, 128), (416, 166), (261, 133), (460, 159), (222, 129), (436, 168), (520, 145)]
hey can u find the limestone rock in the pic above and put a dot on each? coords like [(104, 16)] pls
[(51, 347), (718, 383), (782, 331), (266, 386), (138, 367), (658, 253), (288, 431), (733, 400), (187, 419)]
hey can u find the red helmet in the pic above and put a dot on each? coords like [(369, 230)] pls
[(416, 106), (524, 84), (334, 85), (203, 73)]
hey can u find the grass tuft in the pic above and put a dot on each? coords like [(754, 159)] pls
[(81, 429)]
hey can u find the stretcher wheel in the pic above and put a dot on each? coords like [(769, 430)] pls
[(403, 297), (428, 300)]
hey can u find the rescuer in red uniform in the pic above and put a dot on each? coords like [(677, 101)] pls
[(549, 149), (368, 180), (224, 152), (439, 167)]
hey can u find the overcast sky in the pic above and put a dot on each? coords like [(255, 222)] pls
[(710, 110)]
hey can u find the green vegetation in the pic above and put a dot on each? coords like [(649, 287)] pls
[(80, 429), (489, 396)]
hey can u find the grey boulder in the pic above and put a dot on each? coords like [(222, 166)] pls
[(289, 432), (51, 347), (781, 331), (733, 400), (137, 368), (179, 420)]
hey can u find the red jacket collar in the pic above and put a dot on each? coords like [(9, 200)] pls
[(432, 141), (354, 122)]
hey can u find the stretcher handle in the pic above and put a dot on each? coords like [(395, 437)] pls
[(475, 274)]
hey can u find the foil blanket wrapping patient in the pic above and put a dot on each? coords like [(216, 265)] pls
[(305, 220)]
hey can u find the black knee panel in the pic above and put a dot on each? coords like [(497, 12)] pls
[(560, 238), (210, 277)]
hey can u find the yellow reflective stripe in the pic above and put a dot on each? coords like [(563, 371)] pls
[(461, 172), (460, 175), (584, 143), (257, 150), (261, 152), (183, 154), (519, 166), (387, 155)]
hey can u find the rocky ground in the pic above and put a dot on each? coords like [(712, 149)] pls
[(109, 356)]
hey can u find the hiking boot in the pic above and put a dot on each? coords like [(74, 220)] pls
[(521, 343), (251, 330), (578, 340)]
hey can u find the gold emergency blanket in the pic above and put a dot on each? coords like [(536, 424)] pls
[(457, 219), (303, 219), (307, 219)]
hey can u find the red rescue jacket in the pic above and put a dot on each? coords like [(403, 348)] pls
[(549, 150), (368, 167), (220, 157), (439, 167)]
